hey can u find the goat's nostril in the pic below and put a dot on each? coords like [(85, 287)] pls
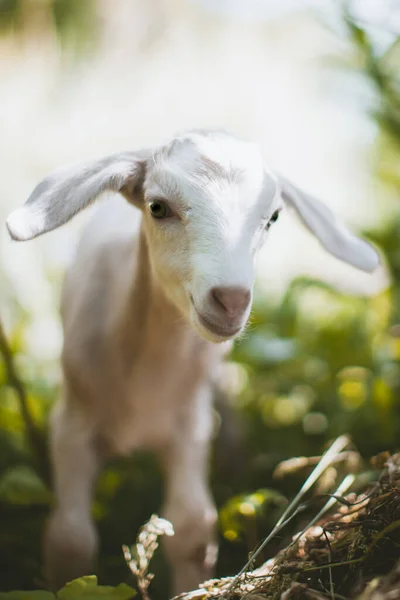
[(232, 300)]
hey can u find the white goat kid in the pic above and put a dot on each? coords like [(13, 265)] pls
[(150, 293)]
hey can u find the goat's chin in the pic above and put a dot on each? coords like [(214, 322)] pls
[(209, 336), (212, 333)]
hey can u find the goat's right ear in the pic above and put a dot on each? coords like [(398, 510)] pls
[(68, 190)]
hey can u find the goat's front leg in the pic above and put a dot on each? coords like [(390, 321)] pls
[(192, 551), (70, 543)]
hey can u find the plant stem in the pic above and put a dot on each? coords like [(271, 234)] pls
[(34, 435)]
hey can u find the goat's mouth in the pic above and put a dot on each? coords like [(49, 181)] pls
[(219, 331), (212, 331)]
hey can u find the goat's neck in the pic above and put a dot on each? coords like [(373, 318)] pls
[(149, 320)]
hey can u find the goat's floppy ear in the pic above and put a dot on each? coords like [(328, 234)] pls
[(68, 190), (331, 233)]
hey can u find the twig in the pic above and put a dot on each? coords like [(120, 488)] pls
[(331, 585), (292, 465)]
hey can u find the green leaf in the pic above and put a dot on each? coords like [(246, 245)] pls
[(86, 587), (20, 595), (21, 485)]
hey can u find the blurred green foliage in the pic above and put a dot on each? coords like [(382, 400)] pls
[(73, 21), (314, 366), (84, 587)]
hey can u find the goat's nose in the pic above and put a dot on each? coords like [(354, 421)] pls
[(232, 300)]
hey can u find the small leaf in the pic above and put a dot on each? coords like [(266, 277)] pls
[(20, 595), (86, 587), (21, 485)]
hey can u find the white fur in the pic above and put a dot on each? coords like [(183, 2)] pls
[(140, 317)]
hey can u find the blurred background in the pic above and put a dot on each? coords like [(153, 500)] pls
[(316, 83)]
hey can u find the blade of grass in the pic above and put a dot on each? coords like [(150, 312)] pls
[(342, 489), (338, 445)]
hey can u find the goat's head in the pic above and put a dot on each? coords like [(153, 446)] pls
[(208, 202)]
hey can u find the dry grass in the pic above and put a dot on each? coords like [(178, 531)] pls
[(353, 553)]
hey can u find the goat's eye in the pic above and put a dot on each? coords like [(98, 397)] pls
[(160, 209), (273, 219)]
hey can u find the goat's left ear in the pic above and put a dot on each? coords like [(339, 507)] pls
[(331, 233), (69, 190)]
